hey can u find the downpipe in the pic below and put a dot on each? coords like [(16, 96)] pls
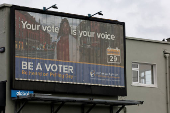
[(166, 54)]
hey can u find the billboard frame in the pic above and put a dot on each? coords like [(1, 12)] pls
[(51, 87)]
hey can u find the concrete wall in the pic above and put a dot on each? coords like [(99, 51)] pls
[(3, 42), (137, 50), (147, 52), (4, 62)]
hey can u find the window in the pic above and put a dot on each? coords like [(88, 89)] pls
[(144, 74)]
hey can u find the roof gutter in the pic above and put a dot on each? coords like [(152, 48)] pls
[(166, 54)]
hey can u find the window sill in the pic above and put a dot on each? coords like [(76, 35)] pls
[(144, 85)]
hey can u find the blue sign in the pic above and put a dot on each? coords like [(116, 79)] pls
[(68, 72), (15, 93)]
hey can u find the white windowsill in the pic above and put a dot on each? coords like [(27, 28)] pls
[(144, 85)]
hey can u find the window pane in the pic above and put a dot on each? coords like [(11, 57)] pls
[(135, 76), (142, 78), (134, 65), (148, 77), (146, 74)]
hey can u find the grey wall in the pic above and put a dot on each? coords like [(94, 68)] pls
[(150, 52), (3, 42), (4, 62), (137, 50)]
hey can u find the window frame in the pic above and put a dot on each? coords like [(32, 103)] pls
[(154, 71)]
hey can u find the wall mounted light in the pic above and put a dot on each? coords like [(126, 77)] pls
[(2, 49), (53, 6)]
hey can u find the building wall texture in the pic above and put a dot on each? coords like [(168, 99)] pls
[(145, 51), (4, 62), (137, 50)]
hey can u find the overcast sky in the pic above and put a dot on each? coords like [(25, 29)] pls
[(149, 19)]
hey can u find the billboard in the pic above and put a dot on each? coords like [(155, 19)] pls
[(61, 48)]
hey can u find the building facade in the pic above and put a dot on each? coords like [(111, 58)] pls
[(147, 76), (147, 58)]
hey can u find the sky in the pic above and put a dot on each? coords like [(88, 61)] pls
[(147, 19)]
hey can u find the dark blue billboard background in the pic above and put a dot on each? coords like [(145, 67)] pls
[(68, 72)]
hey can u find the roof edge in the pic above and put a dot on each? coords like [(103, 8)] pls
[(5, 5), (147, 40)]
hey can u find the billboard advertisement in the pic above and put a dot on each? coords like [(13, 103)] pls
[(61, 49)]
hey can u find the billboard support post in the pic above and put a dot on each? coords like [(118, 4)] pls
[(18, 111), (82, 101)]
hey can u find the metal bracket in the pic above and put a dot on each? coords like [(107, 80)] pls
[(63, 100), (18, 111), (82, 108), (120, 109), (58, 108), (111, 108), (91, 108)]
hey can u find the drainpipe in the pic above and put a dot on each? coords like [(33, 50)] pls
[(166, 54)]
